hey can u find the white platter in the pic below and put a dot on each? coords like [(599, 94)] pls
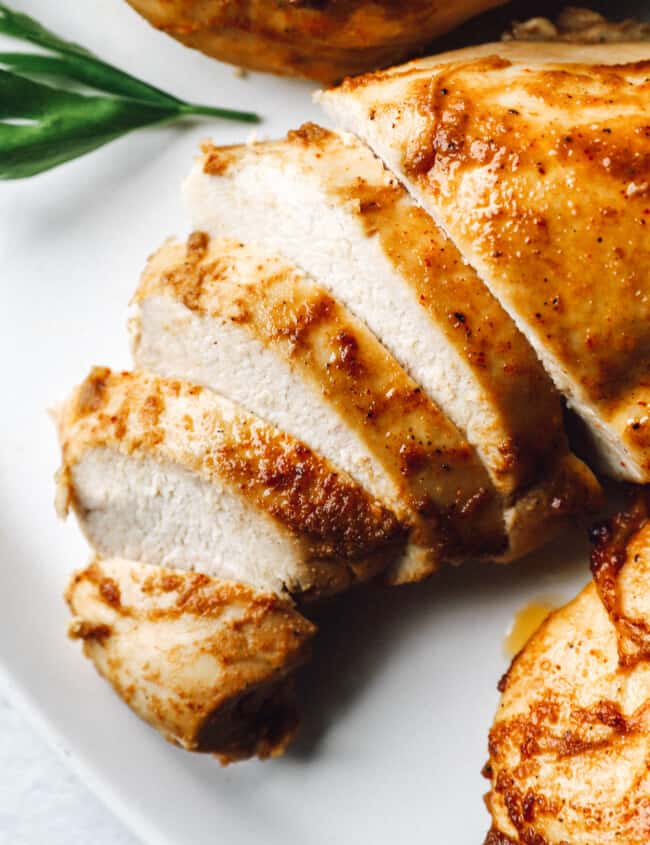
[(401, 694)]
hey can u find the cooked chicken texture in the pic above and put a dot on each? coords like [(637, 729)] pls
[(327, 204), (322, 39), (207, 663), (254, 328), (169, 473), (570, 745), (535, 159)]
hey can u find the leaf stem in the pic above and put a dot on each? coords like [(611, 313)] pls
[(44, 124), (214, 111)]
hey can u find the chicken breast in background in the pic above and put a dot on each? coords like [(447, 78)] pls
[(253, 327), (327, 204), (535, 159), (208, 663), (570, 744), (324, 40), (169, 473)]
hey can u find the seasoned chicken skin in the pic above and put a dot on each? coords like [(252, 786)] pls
[(318, 39), (570, 745), (207, 663), (169, 473), (253, 327), (326, 203), (535, 159)]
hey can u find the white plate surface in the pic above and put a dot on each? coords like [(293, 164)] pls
[(400, 697)]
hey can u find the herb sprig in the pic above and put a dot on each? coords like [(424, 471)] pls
[(42, 126)]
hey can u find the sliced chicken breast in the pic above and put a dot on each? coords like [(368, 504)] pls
[(535, 159), (325, 202), (253, 327), (570, 744), (168, 473), (207, 663)]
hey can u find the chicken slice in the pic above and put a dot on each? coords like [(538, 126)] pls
[(207, 663), (253, 327), (328, 205), (535, 159), (169, 473), (570, 744)]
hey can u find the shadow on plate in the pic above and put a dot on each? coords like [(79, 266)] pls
[(358, 629)]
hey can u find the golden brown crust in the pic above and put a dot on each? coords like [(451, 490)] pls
[(566, 489), (474, 324), (615, 542), (554, 267), (261, 723), (500, 148), (450, 501), (499, 393), (602, 342), (323, 40), (527, 430), (205, 662), (521, 52), (569, 747), (141, 415)]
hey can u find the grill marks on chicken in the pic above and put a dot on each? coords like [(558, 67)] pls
[(169, 473), (256, 329), (208, 663), (575, 709), (536, 160)]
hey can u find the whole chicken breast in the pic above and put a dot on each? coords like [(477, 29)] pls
[(208, 663), (535, 159), (318, 39), (170, 473), (570, 745)]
